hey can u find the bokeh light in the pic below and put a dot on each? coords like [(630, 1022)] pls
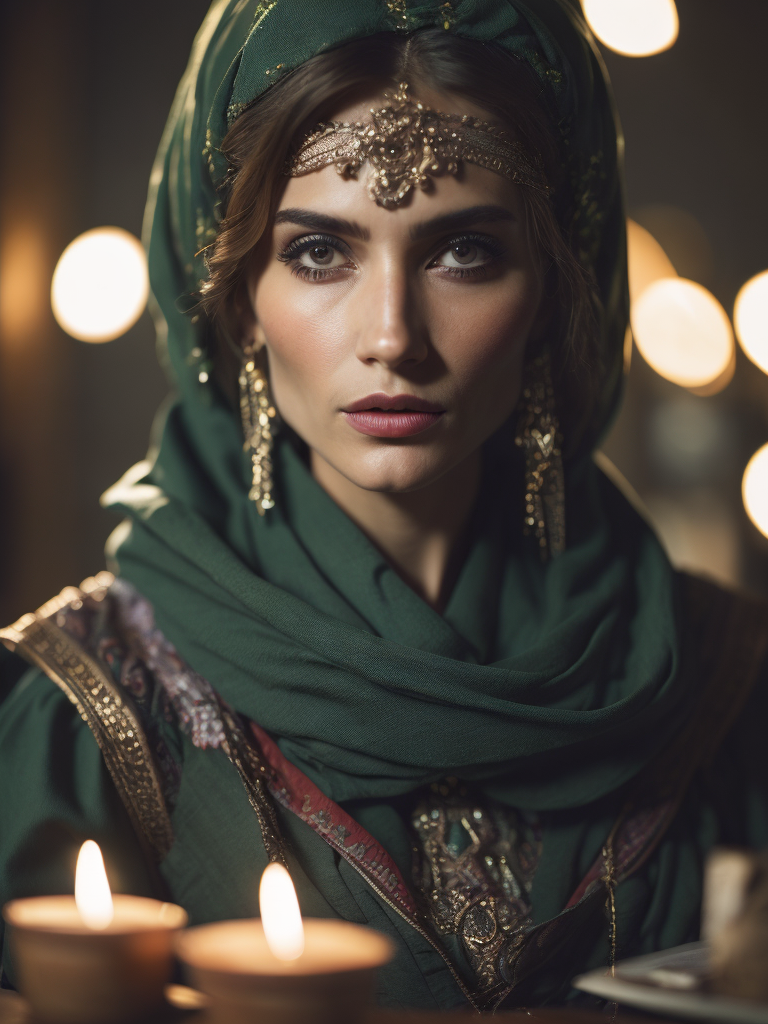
[(647, 260), (750, 317), (717, 384), (24, 270), (683, 239), (100, 285), (635, 28), (754, 489), (683, 332)]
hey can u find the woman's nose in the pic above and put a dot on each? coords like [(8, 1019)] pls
[(392, 331)]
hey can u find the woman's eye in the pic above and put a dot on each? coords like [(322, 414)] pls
[(315, 259), (322, 257), (463, 255)]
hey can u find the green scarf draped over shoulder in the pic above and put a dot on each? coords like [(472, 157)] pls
[(549, 686)]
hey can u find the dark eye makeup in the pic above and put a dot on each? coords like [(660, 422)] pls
[(466, 249)]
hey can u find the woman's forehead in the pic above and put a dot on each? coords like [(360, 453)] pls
[(359, 110), (326, 191)]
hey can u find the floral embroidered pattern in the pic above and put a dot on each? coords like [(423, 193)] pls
[(475, 866), (193, 702)]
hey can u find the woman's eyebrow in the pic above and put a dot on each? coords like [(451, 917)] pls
[(436, 225), (461, 219), (322, 222)]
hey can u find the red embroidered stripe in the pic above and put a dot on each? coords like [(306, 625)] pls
[(293, 790), (634, 838), (291, 787)]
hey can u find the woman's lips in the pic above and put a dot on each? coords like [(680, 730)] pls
[(391, 424), (392, 415)]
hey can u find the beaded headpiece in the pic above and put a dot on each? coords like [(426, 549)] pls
[(405, 143)]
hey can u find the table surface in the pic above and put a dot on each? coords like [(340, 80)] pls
[(13, 1010)]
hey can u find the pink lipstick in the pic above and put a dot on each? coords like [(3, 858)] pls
[(383, 415)]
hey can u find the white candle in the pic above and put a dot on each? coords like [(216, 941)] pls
[(93, 958), (280, 969)]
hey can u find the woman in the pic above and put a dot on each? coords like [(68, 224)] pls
[(411, 640)]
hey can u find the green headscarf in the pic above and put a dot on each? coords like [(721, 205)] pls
[(551, 685)]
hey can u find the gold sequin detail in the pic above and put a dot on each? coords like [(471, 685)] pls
[(261, 11), (397, 9), (258, 416), (538, 435), (253, 773), (103, 707)]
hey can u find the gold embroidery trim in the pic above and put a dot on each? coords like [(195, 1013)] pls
[(262, 11), (246, 760), (101, 705)]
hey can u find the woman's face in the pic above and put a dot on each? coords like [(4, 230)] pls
[(396, 337)]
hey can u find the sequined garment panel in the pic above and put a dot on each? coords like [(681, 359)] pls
[(120, 633), (475, 864), (90, 620)]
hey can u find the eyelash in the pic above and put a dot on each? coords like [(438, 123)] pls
[(294, 250), (291, 254), (493, 248)]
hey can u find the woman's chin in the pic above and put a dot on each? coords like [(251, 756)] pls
[(395, 470)]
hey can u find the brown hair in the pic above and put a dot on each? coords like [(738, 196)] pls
[(267, 133)]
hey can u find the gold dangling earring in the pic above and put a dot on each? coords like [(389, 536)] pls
[(538, 434), (258, 416)]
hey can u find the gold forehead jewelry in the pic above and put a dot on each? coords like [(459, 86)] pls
[(405, 143)]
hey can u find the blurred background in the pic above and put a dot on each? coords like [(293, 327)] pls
[(86, 88)]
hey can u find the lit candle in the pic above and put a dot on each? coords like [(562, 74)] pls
[(93, 897), (280, 914), (93, 958), (283, 970)]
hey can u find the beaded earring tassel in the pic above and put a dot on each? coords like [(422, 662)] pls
[(258, 414), (538, 435)]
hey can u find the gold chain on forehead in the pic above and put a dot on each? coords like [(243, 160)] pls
[(405, 143)]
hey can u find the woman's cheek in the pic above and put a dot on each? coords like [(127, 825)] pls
[(486, 331), (305, 348)]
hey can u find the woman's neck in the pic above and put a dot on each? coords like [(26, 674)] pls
[(419, 533)]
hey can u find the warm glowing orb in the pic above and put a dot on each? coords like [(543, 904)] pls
[(754, 489), (683, 332), (92, 893), (636, 28), (280, 914), (647, 260), (682, 238), (100, 285), (750, 317)]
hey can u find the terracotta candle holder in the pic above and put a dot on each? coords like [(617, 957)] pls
[(331, 982), (72, 974)]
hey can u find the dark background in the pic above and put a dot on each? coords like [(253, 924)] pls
[(86, 88)]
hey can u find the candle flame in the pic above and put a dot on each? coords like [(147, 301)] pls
[(280, 914), (92, 893)]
